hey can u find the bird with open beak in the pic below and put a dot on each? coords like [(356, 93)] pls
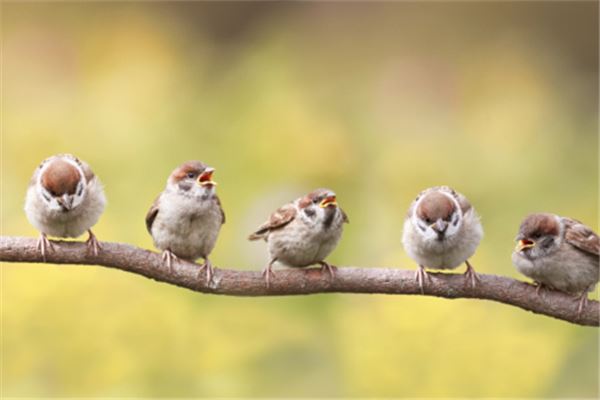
[(441, 231), (64, 199), (186, 217), (303, 232), (558, 252)]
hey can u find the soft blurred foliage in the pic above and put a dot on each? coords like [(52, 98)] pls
[(376, 101)]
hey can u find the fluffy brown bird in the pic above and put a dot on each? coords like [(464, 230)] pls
[(64, 199), (441, 231), (558, 252), (186, 217), (303, 232)]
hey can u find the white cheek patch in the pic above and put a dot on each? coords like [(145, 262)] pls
[(78, 199), (80, 193), (320, 212), (455, 219), (312, 214), (423, 228), (454, 225), (207, 191), (47, 198), (53, 204), (45, 195), (431, 234)]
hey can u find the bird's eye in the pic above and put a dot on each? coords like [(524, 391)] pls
[(428, 220), (536, 235), (190, 174), (315, 201)]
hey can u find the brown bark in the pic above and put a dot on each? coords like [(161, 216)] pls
[(305, 281)]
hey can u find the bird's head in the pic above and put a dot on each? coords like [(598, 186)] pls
[(320, 204), (193, 178), (437, 216), (62, 184), (539, 234)]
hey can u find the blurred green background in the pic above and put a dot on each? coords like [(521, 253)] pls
[(376, 101)]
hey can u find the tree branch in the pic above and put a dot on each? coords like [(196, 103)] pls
[(305, 281)]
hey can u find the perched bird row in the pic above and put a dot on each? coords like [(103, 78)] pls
[(441, 231)]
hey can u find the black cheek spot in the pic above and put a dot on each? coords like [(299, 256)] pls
[(547, 242), (329, 216), (46, 197), (80, 190), (422, 228), (309, 212), (185, 186)]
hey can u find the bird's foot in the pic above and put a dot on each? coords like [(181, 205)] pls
[(168, 257), (268, 272), (420, 276), (44, 245), (539, 287), (209, 270), (92, 243), (471, 275), (330, 268), (583, 301)]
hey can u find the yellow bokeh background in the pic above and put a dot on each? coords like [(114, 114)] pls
[(376, 101)]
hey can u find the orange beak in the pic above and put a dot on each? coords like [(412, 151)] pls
[(328, 201), (205, 178), (524, 244)]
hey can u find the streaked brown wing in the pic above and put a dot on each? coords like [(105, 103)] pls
[(345, 216), (220, 209), (151, 215), (581, 236), (278, 219)]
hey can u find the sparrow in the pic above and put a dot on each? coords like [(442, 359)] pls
[(441, 231), (185, 219), (64, 199), (303, 232), (558, 252)]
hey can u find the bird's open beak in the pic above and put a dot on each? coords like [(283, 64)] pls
[(328, 201), (205, 178), (524, 244)]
